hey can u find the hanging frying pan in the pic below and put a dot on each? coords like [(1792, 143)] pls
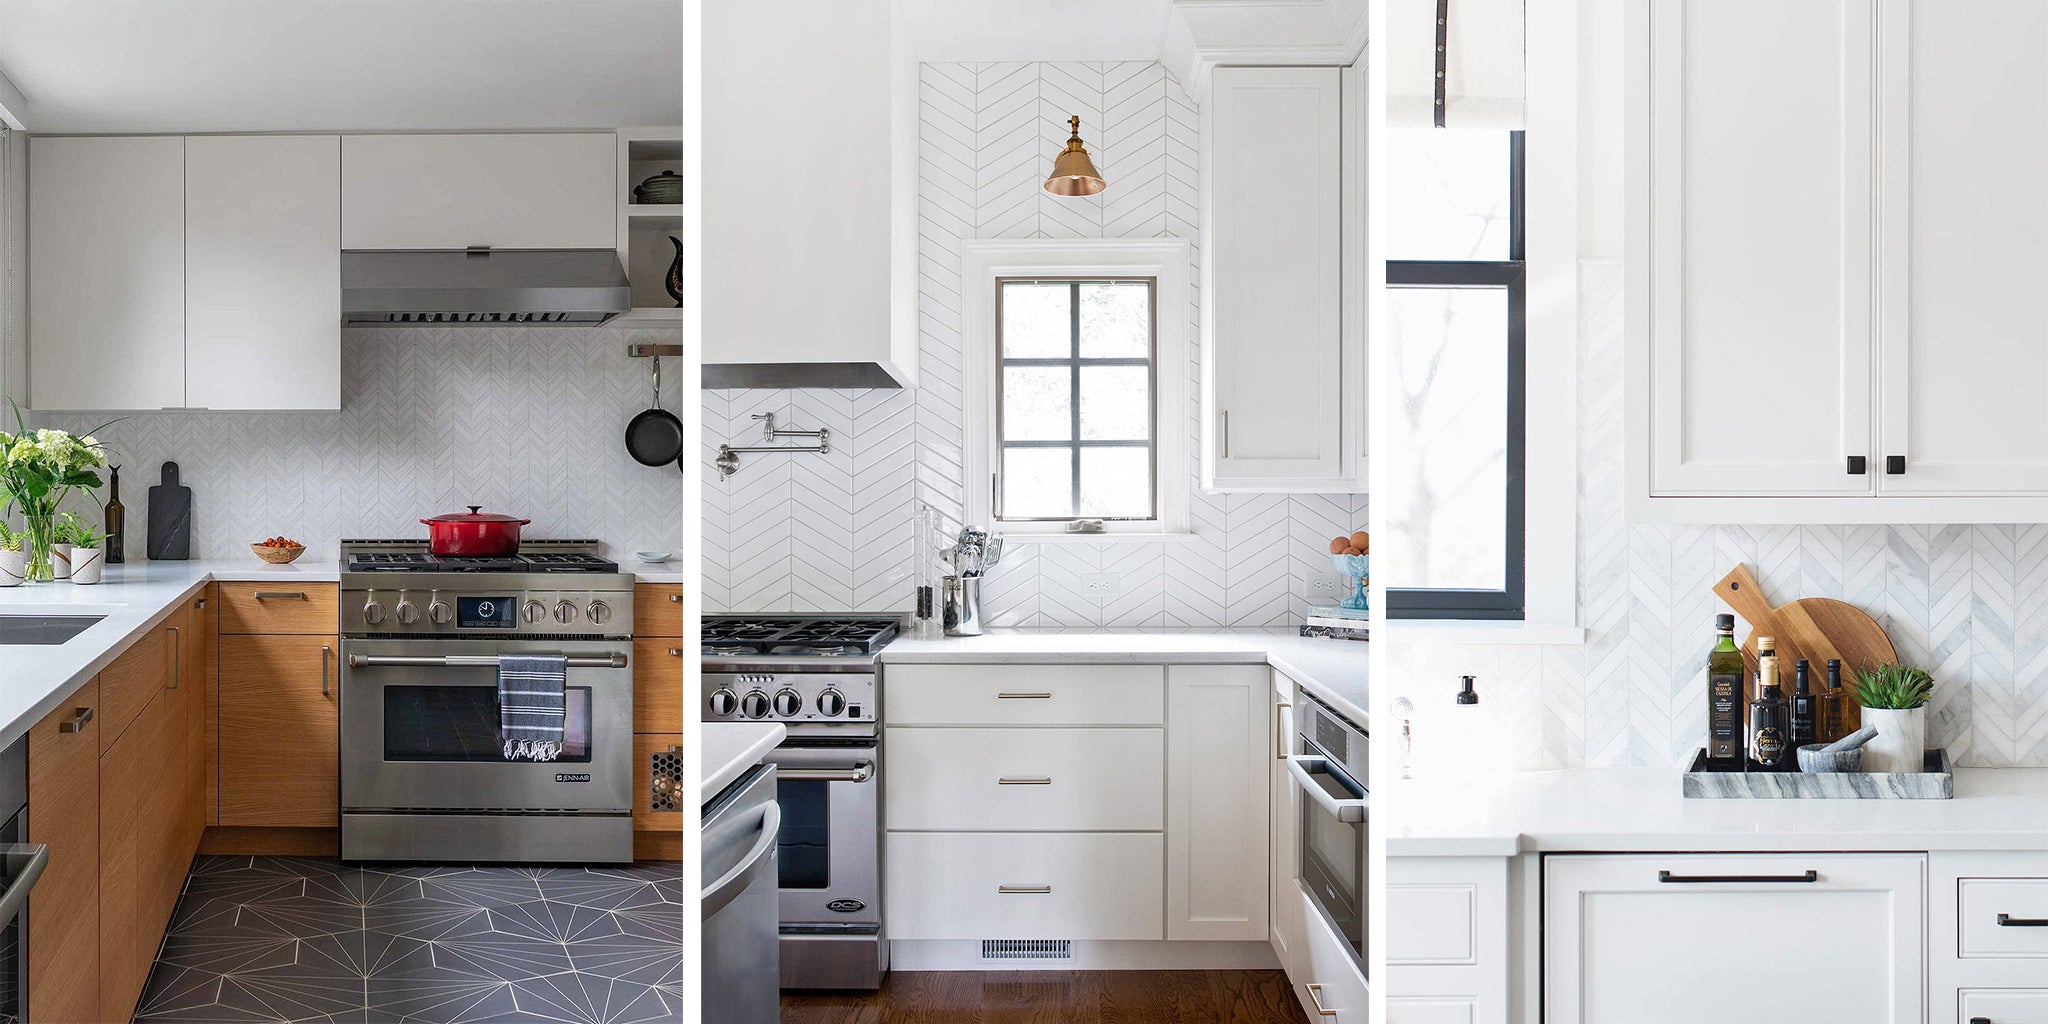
[(655, 436)]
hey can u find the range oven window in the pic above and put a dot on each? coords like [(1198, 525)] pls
[(805, 850), (460, 723)]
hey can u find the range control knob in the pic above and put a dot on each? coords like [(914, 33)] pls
[(408, 612), (831, 703), (724, 702), (565, 612), (535, 611), (788, 703), (439, 612), (754, 704), (599, 612), (373, 611)]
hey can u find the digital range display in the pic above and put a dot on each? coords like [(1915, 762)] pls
[(486, 613)]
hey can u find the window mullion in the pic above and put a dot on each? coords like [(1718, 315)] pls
[(1074, 379)]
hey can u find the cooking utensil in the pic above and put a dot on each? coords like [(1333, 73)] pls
[(655, 436), (1814, 628), (474, 534), (170, 519)]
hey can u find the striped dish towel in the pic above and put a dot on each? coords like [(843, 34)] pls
[(530, 705)]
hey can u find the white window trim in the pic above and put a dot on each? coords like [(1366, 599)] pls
[(1550, 613), (1169, 262)]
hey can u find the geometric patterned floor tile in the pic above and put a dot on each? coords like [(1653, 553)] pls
[(307, 939)]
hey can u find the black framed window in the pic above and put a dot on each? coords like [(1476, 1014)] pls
[(1456, 314)]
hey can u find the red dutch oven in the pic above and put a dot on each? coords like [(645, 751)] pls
[(473, 534)]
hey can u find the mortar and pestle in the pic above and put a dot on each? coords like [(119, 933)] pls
[(1843, 755)]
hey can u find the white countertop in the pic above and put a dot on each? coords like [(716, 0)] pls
[(1446, 814), (730, 748), (1334, 670)]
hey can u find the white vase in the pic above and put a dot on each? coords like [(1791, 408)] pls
[(1901, 741), (60, 561), (87, 564), (13, 567)]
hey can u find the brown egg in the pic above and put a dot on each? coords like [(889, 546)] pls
[(1353, 551), (1361, 540), (1338, 545)]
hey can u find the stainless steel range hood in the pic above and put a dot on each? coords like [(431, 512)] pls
[(482, 287)]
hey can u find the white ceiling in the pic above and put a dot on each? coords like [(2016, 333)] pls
[(989, 30), (326, 65)]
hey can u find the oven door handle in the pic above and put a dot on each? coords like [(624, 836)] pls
[(721, 893), (861, 771), (478, 660), (1350, 810), (25, 861)]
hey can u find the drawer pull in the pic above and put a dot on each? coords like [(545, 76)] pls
[(1046, 780), (1023, 696), (177, 657), (1012, 890), (280, 595), (1980, 1020), (326, 654), (2009, 921), (76, 721), (675, 652), (1666, 876), (675, 598), (1315, 995)]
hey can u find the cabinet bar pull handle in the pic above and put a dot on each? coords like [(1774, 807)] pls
[(675, 598), (1315, 995), (177, 657), (76, 722), (1980, 1020), (675, 652), (326, 652), (281, 595), (1666, 876), (1895, 465), (2009, 921), (1279, 739), (1023, 696), (1226, 434), (1013, 890), (1857, 465), (1033, 780)]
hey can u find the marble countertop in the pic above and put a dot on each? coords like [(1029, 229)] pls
[(1336, 671), (1448, 814), (728, 749)]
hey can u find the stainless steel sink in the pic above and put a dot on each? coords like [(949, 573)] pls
[(43, 630)]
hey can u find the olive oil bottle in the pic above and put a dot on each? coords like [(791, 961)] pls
[(1770, 725), (1805, 712), (1831, 728), (1724, 699)]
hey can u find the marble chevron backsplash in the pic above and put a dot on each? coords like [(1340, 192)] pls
[(1968, 603), (832, 532), (520, 419)]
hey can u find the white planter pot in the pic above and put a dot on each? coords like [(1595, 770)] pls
[(13, 568), (1901, 742), (87, 564), (60, 561)]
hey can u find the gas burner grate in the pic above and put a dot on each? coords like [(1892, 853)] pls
[(814, 636)]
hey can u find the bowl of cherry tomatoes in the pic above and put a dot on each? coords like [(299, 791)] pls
[(278, 550)]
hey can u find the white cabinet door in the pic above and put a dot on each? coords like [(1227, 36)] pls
[(1625, 937), (1273, 352), (1331, 984), (106, 274), (2002, 1006), (533, 191), (263, 271), (1751, 210), (1285, 842), (1217, 750)]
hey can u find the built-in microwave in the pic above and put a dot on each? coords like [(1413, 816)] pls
[(1331, 766)]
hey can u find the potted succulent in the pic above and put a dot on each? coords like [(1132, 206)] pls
[(83, 547), (1894, 699), (13, 559), (37, 469)]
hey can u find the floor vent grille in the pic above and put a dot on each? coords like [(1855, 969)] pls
[(1027, 949)]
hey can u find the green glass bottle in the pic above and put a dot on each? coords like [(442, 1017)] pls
[(1725, 737)]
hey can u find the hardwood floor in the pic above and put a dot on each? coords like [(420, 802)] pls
[(1056, 997)]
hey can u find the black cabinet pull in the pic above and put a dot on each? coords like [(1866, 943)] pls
[(1668, 877), (1857, 465), (1980, 1020), (1895, 465), (2009, 921)]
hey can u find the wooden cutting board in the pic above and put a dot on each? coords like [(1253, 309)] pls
[(1814, 628)]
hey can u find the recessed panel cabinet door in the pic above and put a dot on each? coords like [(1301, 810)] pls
[(527, 191), (1752, 223)]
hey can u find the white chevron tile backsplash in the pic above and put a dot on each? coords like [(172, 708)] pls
[(832, 532), (1968, 603), (518, 419)]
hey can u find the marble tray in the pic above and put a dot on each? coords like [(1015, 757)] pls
[(1937, 782)]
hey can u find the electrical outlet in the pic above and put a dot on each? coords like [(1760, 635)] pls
[(1099, 584), (1328, 586)]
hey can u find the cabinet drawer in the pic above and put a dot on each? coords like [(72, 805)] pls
[(1055, 780), (283, 607), (2002, 917), (658, 685), (1329, 975), (1024, 886), (658, 609), (2002, 1006), (1024, 694)]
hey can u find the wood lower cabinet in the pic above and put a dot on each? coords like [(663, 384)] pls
[(658, 609), (657, 717), (64, 795), (658, 684), (279, 731)]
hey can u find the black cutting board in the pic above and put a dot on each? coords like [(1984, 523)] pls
[(170, 518)]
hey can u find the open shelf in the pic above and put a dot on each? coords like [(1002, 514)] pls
[(654, 210), (645, 228)]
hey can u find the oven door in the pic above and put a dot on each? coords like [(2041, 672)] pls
[(419, 733), (1335, 818), (829, 856)]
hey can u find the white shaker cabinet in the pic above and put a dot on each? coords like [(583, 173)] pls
[(1283, 378), (106, 281), (1627, 937), (1218, 737), (525, 191), (263, 272), (1328, 978), (1282, 895)]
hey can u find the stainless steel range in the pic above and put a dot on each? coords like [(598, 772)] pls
[(423, 772), (816, 675)]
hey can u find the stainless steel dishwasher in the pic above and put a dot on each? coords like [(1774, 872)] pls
[(741, 905)]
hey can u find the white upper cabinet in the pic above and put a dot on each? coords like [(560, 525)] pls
[(532, 191), (1833, 246), (263, 271), (1283, 386), (106, 282)]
